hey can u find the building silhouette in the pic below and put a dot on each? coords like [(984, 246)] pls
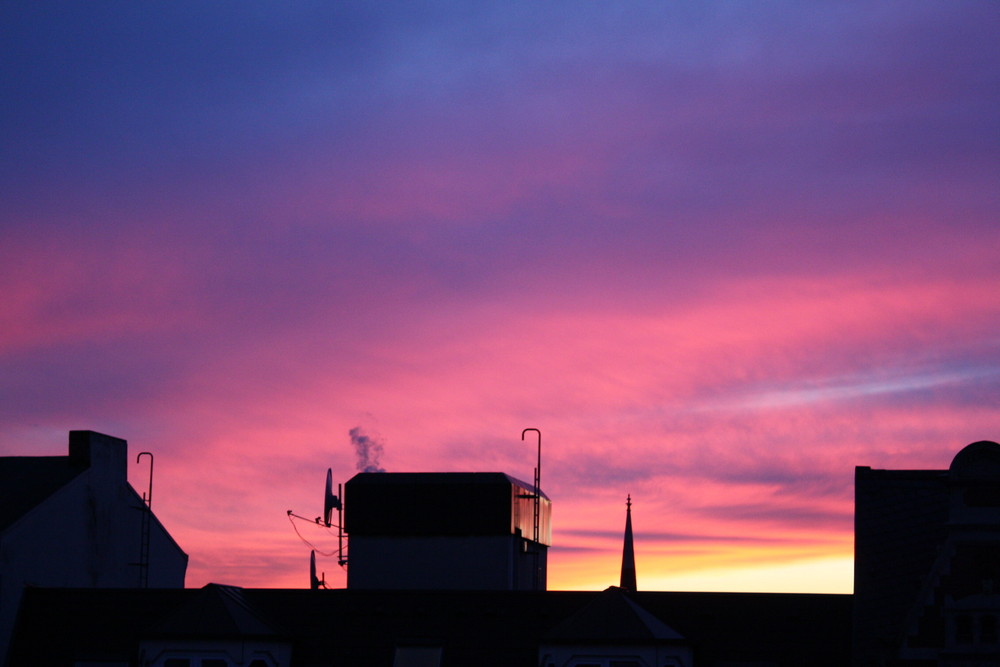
[(927, 552), (435, 628), (74, 521), (927, 563)]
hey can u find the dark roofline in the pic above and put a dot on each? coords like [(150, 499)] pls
[(509, 625), (156, 521), (28, 481), (437, 478), (867, 472)]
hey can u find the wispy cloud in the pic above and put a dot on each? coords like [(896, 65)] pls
[(853, 388)]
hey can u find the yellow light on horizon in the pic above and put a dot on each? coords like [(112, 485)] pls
[(822, 575)]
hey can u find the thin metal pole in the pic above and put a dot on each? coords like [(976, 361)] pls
[(147, 511), (538, 499), (538, 479), (149, 496), (340, 526)]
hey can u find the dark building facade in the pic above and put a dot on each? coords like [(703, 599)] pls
[(927, 563)]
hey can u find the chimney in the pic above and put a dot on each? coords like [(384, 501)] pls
[(104, 455)]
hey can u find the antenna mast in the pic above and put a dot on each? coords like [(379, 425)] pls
[(331, 502), (340, 527), (537, 503), (538, 480)]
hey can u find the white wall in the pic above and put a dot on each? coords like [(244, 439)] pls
[(86, 534)]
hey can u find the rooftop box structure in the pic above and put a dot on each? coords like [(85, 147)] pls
[(470, 531)]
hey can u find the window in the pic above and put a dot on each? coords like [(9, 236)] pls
[(963, 629), (214, 654), (198, 662), (988, 629), (417, 656)]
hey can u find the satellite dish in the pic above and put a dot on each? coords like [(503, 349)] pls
[(313, 581), (330, 501)]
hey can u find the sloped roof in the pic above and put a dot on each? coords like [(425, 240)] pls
[(214, 611), (612, 617), (25, 481)]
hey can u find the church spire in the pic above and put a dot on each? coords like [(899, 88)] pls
[(628, 553)]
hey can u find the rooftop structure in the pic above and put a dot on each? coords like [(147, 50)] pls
[(445, 531)]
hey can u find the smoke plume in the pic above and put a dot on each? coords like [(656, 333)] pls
[(369, 450)]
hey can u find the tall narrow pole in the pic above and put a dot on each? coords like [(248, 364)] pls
[(536, 547), (147, 511), (340, 526), (538, 480), (149, 496)]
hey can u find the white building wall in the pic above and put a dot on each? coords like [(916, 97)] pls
[(86, 534)]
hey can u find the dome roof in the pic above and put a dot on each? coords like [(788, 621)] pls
[(980, 460)]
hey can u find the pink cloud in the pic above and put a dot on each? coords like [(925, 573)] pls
[(717, 265), (461, 405)]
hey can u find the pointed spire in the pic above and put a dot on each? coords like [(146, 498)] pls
[(628, 553)]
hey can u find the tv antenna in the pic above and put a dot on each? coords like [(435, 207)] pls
[(537, 497), (331, 502), (315, 583)]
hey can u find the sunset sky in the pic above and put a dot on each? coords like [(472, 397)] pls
[(719, 253)]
